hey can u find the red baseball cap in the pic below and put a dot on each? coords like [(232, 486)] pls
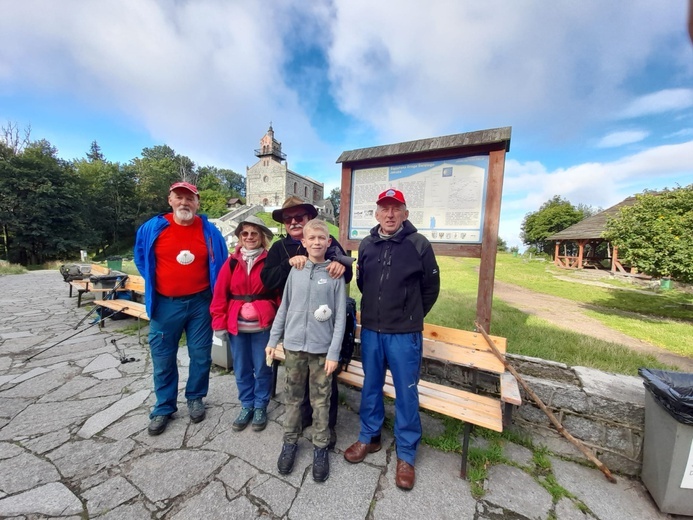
[(391, 194), (186, 186)]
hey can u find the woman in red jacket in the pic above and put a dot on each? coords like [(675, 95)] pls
[(242, 307)]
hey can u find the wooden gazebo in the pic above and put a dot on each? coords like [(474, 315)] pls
[(581, 245)]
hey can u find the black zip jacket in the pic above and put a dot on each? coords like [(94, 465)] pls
[(399, 279)]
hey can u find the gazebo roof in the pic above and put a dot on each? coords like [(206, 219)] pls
[(591, 227)]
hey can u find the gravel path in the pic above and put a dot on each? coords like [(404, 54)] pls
[(570, 315)]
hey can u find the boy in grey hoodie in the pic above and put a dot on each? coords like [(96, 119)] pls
[(311, 318)]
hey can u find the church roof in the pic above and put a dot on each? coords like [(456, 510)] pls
[(592, 227)]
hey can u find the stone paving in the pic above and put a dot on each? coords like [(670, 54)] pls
[(73, 443)]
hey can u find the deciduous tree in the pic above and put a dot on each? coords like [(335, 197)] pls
[(654, 234), (336, 199), (553, 216), (39, 206)]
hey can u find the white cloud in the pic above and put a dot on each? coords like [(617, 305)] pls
[(193, 74), (616, 139), (207, 76), (659, 102), (465, 66), (684, 132)]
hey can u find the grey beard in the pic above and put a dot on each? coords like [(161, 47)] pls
[(184, 214)]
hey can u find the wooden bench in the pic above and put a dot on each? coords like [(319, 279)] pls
[(136, 286), (86, 286), (465, 349)]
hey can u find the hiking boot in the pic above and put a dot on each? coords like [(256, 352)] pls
[(321, 464), (333, 439), (158, 424), (196, 410), (286, 458), (243, 419), (259, 419)]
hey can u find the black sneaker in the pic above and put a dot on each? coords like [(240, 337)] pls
[(243, 419), (321, 464), (259, 419), (196, 410), (285, 464), (158, 424)]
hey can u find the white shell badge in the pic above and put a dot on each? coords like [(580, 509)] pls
[(323, 313), (185, 257)]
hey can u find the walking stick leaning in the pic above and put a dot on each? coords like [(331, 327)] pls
[(584, 449), (111, 294)]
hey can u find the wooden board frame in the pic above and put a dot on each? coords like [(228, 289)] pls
[(494, 143)]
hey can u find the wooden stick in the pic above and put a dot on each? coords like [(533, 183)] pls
[(584, 449)]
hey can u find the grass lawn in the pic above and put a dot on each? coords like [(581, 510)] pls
[(638, 315)]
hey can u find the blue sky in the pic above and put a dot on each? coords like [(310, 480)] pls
[(598, 93)]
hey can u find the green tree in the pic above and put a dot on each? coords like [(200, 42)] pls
[(336, 199), (654, 234), (94, 153), (502, 246), (154, 173), (213, 203), (40, 200), (227, 181), (553, 216), (109, 201)]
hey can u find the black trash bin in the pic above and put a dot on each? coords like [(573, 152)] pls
[(667, 466)]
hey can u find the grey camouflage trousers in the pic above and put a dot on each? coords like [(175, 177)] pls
[(300, 366)]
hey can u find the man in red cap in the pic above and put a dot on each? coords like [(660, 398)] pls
[(179, 254), (398, 276)]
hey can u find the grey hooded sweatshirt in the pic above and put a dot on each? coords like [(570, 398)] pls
[(309, 290)]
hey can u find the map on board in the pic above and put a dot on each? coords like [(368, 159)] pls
[(445, 198)]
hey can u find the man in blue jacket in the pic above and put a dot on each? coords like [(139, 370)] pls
[(179, 254), (399, 278)]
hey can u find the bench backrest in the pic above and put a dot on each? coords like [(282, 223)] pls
[(459, 347), (135, 283), (99, 269)]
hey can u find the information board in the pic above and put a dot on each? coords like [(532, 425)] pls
[(445, 198)]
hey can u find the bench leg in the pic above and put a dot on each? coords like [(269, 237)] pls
[(79, 298), (507, 415), (70, 289), (465, 449), (468, 429)]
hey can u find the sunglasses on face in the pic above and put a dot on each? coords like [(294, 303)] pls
[(297, 218), (246, 234)]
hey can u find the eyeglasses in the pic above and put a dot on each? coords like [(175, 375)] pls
[(297, 218), (246, 234)]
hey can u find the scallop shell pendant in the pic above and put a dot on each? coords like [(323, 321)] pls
[(185, 257), (322, 313)]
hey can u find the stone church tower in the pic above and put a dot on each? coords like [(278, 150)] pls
[(269, 181)]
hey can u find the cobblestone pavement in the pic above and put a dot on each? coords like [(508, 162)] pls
[(73, 443)]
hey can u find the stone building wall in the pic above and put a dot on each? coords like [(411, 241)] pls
[(266, 185)]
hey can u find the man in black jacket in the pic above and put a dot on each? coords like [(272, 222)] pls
[(398, 276), (287, 253)]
